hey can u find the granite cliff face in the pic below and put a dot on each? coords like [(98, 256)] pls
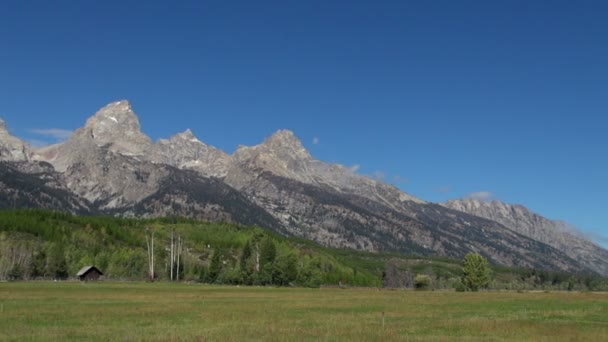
[(554, 233), (185, 151), (109, 166), (12, 148)]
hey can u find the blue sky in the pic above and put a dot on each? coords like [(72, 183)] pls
[(507, 99)]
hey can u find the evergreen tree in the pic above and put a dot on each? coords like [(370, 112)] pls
[(215, 267), (245, 263), (57, 266), (285, 270), (245, 256), (268, 252)]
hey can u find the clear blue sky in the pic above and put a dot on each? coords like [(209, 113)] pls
[(444, 98)]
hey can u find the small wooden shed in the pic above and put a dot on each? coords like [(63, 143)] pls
[(89, 273)]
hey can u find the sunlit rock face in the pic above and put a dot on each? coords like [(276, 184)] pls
[(12, 148), (109, 166), (554, 233)]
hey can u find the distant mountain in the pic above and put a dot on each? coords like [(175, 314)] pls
[(554, 233), (109, 166)]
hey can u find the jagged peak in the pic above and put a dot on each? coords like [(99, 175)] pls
[(116, 124), (283, 134), (11, 147), (187, 135), (121, 104), (3, 126), (119, 112), (284, 139), (4, 131)]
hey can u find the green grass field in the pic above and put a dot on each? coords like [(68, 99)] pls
[(193, 312)]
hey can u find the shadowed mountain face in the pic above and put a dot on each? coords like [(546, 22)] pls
[(109, 166), (37, 185)]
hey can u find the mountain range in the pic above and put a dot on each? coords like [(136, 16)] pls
[(110, 167)]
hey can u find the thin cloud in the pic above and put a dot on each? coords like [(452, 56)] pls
[(55, 133), (480, 196), (355, 168), (315, 141)]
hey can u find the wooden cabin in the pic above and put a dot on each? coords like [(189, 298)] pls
[(89, 273)]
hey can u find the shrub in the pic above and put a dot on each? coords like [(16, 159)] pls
[(422, 282), (459, 287)]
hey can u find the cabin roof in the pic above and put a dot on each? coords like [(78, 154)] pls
[(86, 269)]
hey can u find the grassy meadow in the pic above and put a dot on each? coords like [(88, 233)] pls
[(104, 311)]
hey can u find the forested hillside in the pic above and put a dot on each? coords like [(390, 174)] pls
[(37, 244)]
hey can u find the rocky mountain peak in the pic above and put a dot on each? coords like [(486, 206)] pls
[(285, 144), (116, 115), (12, 148), (187, 135), (117, 125), (185, 151)]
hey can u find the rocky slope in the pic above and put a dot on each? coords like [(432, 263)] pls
[(334, 206), (109, 166), (551, 232)]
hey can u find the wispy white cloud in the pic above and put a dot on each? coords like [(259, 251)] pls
[(55, 133), (315, 141), (481, 196), (355, 168)]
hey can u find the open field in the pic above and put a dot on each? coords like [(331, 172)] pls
[(192, 312)]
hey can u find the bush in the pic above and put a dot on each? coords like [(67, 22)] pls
[(422, 282), (459, 287), (16, 273)]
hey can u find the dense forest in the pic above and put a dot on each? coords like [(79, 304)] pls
[(37, 244)]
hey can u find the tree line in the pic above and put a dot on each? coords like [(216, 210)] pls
[(37, 244)]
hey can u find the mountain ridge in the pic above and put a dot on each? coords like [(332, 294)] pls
[(116, 169), (552, 232)]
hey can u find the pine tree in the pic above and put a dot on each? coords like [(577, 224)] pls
[(245, 264), (268, 252), (215, 267)]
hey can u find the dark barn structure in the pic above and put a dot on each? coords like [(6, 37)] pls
[(89, 273)]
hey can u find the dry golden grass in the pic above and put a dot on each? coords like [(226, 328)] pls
[(193, 312)]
